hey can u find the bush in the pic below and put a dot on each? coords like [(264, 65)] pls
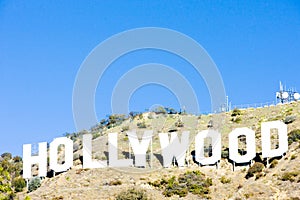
[(171, 111), (289, 176), (294, 136), (175, 189), (10, 179), (225, 153), (289, 119), (254, 169), (17, 159), (141, 116), (7, 156), (258, 175), (273, 163), (132, 193), (27, 198), (150, 116), (115, 182), (95, 135), (236, 112), (160, 110), (289, 111), (58, 198), (293, 157), (294, 198), (34, 184), (19, 184), (125, 128), (236, 119), (191, 181), (225, 180), (141, 124), (179, 123), (115, 120)]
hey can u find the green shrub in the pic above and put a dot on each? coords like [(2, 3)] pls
[(7, 156), (293, 157), (289, 176), (294, 198), (150, 116), (125, 128), (289, 111), (289, 119), (141, 116), (179, 123), (27, 198), (10, 180), (254, 169), (225, 180), (158, 183), (258, 175), (273, 163), (248, 195), (34, 184), (191, 181), (58, 198), (115, 182), (294, 136), (276, 118), (132, 194), (17, 159), (5, 187), (141, 124), (160, 110), (19, 184), (95, 135), (115, 120), (225, 153), (175, 189), (237, 119), (236, 112)]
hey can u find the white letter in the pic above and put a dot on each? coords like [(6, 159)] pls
[(174, 148), (216, 147), (113, 152), (234, 145), (87, 154), (266, 139), (28, 160), (68, 143), (140, 148)]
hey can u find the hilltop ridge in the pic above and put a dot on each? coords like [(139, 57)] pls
[(280, 180)]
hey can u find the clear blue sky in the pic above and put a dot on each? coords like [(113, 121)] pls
[(43, 43)]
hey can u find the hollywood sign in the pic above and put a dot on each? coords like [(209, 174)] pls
[(171, 147)]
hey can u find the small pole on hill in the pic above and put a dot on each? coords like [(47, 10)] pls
[(151, 153), (129, 151), (27, 183)]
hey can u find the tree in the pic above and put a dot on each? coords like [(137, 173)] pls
[(6, 155), (34, 184)]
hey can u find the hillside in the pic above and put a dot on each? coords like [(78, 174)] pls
[(280, 180)]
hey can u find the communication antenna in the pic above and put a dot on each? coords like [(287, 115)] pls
[(285, 96), (297, 96)]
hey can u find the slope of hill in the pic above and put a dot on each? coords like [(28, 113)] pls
[(280, 180)]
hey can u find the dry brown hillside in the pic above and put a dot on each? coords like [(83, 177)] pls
[(280, 180)]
